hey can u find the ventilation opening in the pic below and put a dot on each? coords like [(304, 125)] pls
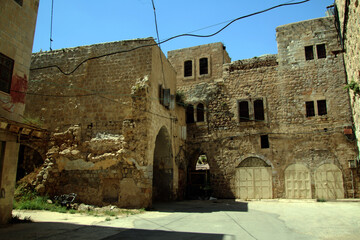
[(264, 141), (309, 53)]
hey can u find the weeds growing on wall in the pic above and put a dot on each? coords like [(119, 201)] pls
[(354, 86)]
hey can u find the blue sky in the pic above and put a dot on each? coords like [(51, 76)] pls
[(85, 22)]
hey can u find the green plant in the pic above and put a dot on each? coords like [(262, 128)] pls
[(321, 200), (107, 219), (180, 98), (110, 213), (28, 199), (72, 211), (353, 86)]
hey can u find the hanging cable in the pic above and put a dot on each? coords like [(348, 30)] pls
[(159, 44), (51, 23), (169, 39)]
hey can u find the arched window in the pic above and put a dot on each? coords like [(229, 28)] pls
[(190, 114), (200, 112), (188, 68)]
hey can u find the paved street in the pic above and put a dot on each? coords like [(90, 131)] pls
[(217, 220)]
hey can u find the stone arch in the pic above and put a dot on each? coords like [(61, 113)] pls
[(297, 181), (29, 159), (253, 162), (329, 182), (162, 167), (248, 157), (253, 179)]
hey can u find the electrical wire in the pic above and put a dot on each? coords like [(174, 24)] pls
[(51, 24), (169, 39)]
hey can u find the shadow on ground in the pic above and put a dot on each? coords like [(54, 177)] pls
[(201, 206), (57, 231)]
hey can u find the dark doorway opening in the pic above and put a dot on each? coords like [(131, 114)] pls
[(163, 167)]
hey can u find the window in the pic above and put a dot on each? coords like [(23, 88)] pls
[(6, 71), (321, 108), (310, 110), (2, 153), (321, 104), (20, 2), (309, 53), (200, 112), (244, 111), (161, 94), (321, 52), (166, 101), (259, 110), (190, 114), (188, 68), (204, 68), (264, 139)]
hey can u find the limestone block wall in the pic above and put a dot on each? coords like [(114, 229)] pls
[(285, 83), (96, 96), (214, 52), (17, 27), (349, 18), (17, 30), (103, 139)]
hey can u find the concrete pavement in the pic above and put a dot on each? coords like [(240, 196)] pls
[(223, 219)]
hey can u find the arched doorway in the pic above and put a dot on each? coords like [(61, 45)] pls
[(162, 167), (329, 182), (297, 181), (199, 179), (253, 179), (29, 159)]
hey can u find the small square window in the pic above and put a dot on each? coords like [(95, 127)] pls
[(264, 141), (321, 104), (204, 68), (321, 51), (310, 110), (309, 53), (6, 71)]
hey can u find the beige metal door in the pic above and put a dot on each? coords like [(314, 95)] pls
[(253, 182), (297, 181), (329, 182)]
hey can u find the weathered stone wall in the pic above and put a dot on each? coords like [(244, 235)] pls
[(349, 17), (284, 82), (214, 52), (97, 95), (17, 27), (103, 141)]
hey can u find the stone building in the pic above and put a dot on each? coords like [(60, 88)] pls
[(274, 126), (117, 136), (17, 27), (347, 14)]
